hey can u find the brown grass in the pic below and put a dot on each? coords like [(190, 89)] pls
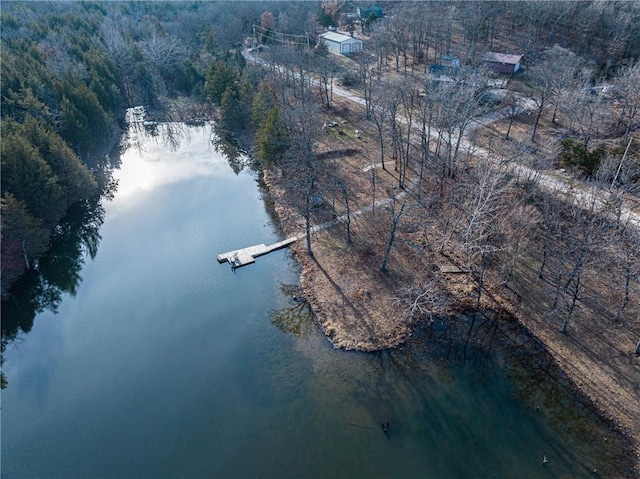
[(357, 305)]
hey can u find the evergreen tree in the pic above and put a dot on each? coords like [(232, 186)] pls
[(235, 107), (231, 118), (24, 237), (263, 102), (28, 176), (71, 174), (272, 136), (219, 78)]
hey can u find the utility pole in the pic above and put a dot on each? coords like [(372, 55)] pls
[(620, 165)]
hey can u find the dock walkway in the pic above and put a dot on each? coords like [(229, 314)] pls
[(244, 256)]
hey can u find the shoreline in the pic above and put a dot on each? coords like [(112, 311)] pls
[(352, 320)]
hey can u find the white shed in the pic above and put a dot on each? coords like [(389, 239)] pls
[(339, 43)]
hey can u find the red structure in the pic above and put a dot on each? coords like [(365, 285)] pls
[(502, 62)]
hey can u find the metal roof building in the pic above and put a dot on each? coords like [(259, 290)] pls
[(339, 43)]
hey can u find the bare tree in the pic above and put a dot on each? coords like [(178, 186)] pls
[(301, 165), (332, 8), (627, 88), (426, 109), (161, 50), (474, 19), (423, 300), (567, 69), (482, 203), (541, 78), (579, 251), (267, 25), (398, 39), (418, 24), (584, 107), (115, 43), (628, 261), (512, 109), (369, 80), (442, 32), (396, 215), (380, 46), (325, 66), (379, 115), (460, 102), (408, 96), (551, 209), (343, 186), (372, 169)]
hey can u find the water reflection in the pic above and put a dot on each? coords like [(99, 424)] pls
[(58, 271), (148, 147), (544, 387), (495, 345), (237, 158), (161, 155), (171, 136), (296, 319)]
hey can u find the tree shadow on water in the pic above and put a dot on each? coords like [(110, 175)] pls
[(296, 319), (57, 272)]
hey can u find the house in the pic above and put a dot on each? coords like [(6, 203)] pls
[(437, 69), (370, 12), (502, 62), (449, 61), (339, 43), (448, 65)]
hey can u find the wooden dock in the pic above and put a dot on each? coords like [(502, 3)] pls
[(244, 256)]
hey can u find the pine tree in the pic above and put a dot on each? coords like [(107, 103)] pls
[(272, 136), (219, 78), (263, 102)]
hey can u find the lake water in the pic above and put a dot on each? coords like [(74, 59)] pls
[(165, 364)]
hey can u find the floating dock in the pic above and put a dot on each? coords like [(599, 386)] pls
[(244, 256)]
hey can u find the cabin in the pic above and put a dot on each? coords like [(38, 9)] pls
[(339, 43), (502, 62)]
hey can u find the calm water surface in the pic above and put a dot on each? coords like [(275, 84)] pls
[(165, 364)]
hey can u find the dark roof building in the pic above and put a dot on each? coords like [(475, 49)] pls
[(449, 61), (502, 62), (366, 12)]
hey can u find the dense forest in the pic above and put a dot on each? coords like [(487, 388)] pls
[(62, 105)]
